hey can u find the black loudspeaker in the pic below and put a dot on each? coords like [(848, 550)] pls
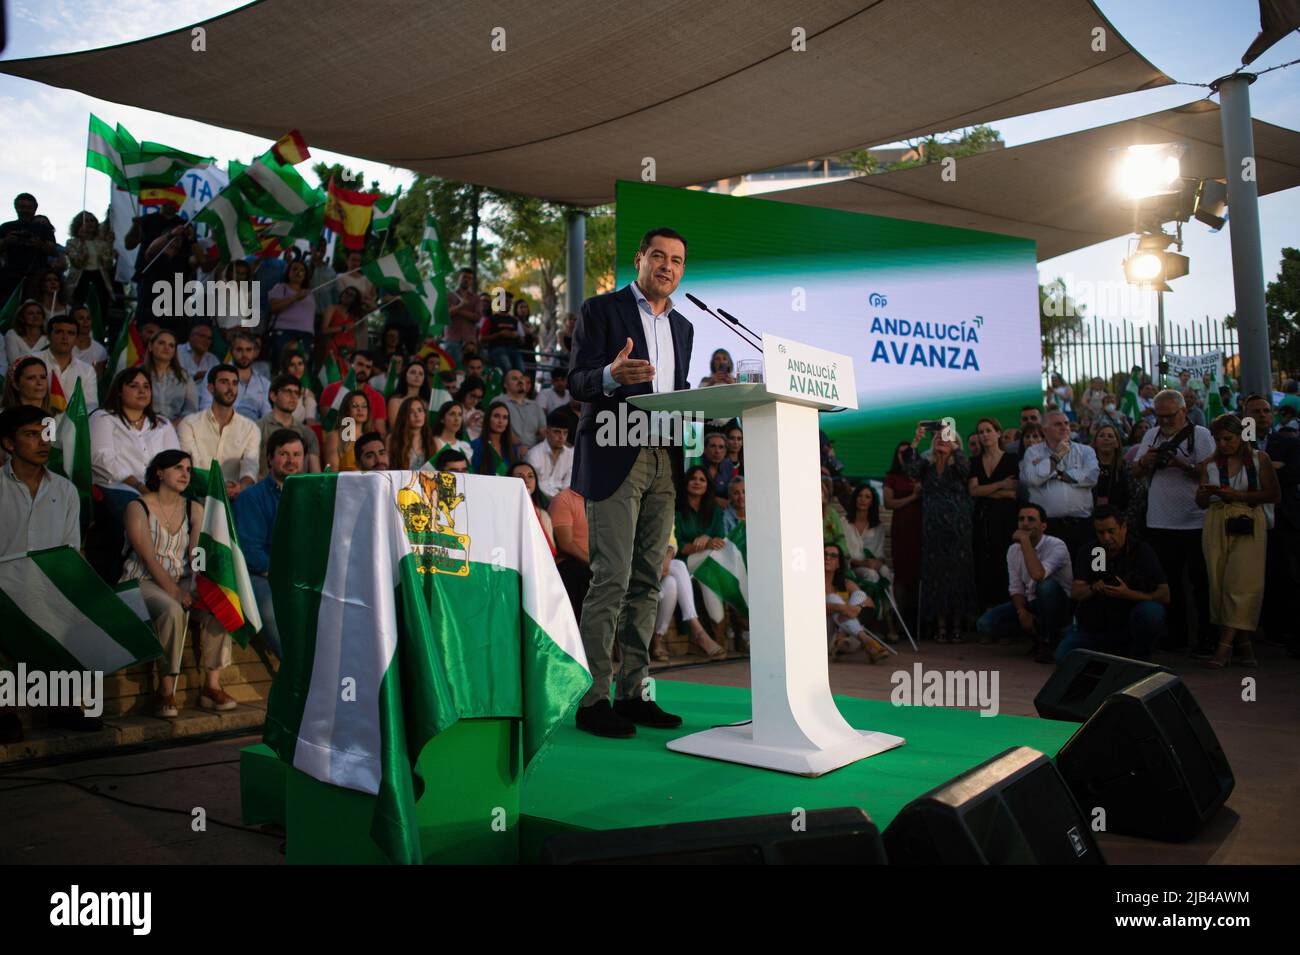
[(1083, 681), (1150, 759), (1013, 809), (826, 837)]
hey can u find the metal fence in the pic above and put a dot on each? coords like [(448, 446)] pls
[(1104, 348)]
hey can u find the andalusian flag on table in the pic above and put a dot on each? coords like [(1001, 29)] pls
[(59, 615), (330, 414), (70, 455), (437, 595), (104, 152), (722, 574), (385, 207), (223, 584), (1128, 403)]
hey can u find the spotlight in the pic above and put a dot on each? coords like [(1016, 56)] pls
[(1149, 170), (1212, 203), (1151, 266)]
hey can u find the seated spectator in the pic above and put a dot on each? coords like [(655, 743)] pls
[(568, 512), (294, 364), (410, 443), (864, 535), (735, 447), (496, 449), (284, 394), (254, 515), (698, 529), (413, 384), (174, 392), (832, 522), (162, 527), (195, 356), (557, 395), (845, 602), (253, 400), (27, 336), (449, 459), (1039, 580), (526, 417), (354, 417), (41, 509), (125, 435), (1238, 490), (221, 435), (64, 367), (526, 473), (372, 452), (470, 398), (448, 428), (28, 383), (675, 592), (552, 458), (1119, 601), (362, 368), (86, 348)]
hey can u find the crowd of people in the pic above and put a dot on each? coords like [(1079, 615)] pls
[(1078, 528)]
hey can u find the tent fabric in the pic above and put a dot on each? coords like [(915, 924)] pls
[(586, 90), (1057, 191)]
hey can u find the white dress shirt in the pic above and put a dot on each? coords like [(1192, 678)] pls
[(253, 402), (554, 473), (119, 451), (235, 446), (51, 519), (1052, 554), (1060, 498), (197, 370), (77, 370), (16, 348), (659, 340)]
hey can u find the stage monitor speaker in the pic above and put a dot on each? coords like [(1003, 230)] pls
[(1083, 681), (1150, 759), (1013, 809), (819, 837)]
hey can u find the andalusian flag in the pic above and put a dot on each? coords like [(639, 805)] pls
[(330, 415), (399, 274), (1128, 403), (151, 163), (347, 213), (11, 308), (385, 206), (447, 606), (291, 148), (432, 244), (103, 151), (393, 383), (722, 574), (229, 224), (60, 615), (223, 584), (275, 189), (70, 455), (329, 372), (1213, 400)]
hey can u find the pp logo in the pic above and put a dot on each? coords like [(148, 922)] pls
[(876, 300), (781, 349)]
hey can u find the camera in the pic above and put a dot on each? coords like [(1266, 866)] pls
[(1165, 452)]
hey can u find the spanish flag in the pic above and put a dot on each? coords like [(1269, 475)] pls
[(156, 194), (291, 148), (58, 400), (348, 214)]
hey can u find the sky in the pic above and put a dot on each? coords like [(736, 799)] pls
[(1193, 41)]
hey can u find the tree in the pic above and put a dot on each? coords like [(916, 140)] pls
[(929, 149), (1282, 309), (1060, 319)]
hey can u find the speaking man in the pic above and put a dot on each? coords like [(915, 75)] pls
[(628, 342)]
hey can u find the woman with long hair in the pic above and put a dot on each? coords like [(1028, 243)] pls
[(470, 397), (528, 474), (126, 432), (864, 536), (28, 383), (845, 602), (174, 394), (414, 384), (294, 364), (994, 488), (1238, 489), (93, 353), (903, 498), (721, 369), (410, 443), (341, 455), (47, 288), (27, 336), (90, 260), (1115, 484), (448, 429), (697, 526), (947, 564), (495, 450), (339, 323)]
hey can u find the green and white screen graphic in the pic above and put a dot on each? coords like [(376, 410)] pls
[(939, 321)]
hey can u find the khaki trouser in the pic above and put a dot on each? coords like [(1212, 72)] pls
[(171, 621), (627, 538)]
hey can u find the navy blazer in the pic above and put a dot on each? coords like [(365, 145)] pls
[(606, 323)]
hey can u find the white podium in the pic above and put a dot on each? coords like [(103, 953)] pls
[(796, 727)]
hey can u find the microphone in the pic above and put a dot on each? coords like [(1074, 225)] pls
[(700, 305), (734, 320)]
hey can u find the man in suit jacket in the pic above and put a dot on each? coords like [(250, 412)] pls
[(628, 342)]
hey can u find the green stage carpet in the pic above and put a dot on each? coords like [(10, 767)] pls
[(586, 782)]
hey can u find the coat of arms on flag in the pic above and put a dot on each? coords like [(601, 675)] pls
[(429, 509)]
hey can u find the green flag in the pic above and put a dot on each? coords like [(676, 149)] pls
[(223, 584), (70, 455), (154, 163), (11, 308), (104, 152), (385, 206), (1129, 403), (330, 415), (398, 273), (393, 383)]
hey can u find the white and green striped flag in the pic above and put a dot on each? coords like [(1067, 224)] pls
[(70, 455), (330, 413), (59, 615), (723, 577), (436, 596), (382, 216), (104, 152), (398, 273), (1129, 402), (154, 163), (275, 189), (227, 219)]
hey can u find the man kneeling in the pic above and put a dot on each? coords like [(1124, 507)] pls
[(1121, 592), (1038, 574)]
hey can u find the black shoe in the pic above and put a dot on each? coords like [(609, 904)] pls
[(11, 728), (647, 713), (599, 720), (72, 718)]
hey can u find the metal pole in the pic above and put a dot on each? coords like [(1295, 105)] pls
[(1243, 205), (1159, 376), (575, 243)]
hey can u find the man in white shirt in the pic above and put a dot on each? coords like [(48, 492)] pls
[(219, 434), (196, 355), (1168, 455), (61, 330), (254, 401), (557, 395), (552, 459), (1060, 475), (1039, 581)]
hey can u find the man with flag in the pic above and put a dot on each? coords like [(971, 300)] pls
[(65, 369), (166, 242)]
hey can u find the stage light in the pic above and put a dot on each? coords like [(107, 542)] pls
[(1143, 267), (1212, 203), (1151, 266), (1149, 170)]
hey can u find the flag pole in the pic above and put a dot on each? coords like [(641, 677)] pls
[(333, 280)]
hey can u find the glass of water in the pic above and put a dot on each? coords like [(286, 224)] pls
[(749, 370)]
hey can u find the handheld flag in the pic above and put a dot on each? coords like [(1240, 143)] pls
[(1128, 404), (291, 148), (385, 207), (70, 455), (10, 309), (223, 584), (104, 152), (348, 214), (330, 419)]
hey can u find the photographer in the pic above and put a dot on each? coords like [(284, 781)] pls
[(1168, 455), (1238, 487), (1121, 600), (27, 244)]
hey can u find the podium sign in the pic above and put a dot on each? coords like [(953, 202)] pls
[(799, 372)]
